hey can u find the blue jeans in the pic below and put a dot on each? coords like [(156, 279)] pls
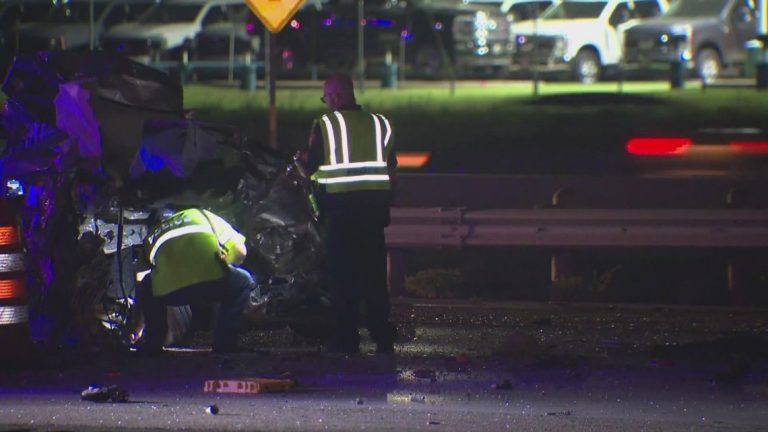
[(231, 292)]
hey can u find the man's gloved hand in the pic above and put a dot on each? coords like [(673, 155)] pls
[(221, 256)]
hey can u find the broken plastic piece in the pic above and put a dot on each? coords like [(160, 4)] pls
[(249, 385), (98, 394)]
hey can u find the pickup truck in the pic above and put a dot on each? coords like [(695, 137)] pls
[(162, 33), (578, 37), (714, 35), (67, 25)]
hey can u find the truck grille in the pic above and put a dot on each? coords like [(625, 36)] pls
[(532, 50), (646, 48)]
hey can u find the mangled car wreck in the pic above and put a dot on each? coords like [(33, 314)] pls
[(97, 142)]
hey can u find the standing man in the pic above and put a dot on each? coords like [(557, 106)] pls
[(351, 164), (194, 257)]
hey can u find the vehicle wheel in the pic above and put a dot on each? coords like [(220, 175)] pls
[(179, 321), (586, 67), (708, 65)]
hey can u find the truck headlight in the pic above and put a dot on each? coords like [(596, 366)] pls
[(560, 48)]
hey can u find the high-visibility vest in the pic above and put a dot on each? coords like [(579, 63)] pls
[(357, 145), (183, 249)]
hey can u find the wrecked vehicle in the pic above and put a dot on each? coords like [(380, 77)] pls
[(99, 141)]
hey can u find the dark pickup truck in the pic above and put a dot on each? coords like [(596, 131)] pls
[(714, 34)]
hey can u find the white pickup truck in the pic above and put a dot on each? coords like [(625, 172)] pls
[(578, 37), (162, 32)]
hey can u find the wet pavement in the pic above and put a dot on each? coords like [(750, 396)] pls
[(458, 367)]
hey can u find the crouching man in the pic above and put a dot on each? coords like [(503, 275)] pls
[(194, 257)]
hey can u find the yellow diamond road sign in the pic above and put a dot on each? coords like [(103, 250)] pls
[(274, 13)]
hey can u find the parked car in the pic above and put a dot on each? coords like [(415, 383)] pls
[(67, 25), (168, 28), (715, 34), (579, 37), (13, 15)]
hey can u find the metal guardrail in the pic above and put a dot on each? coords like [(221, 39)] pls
[(482, 210), (425, 227), (560, 213)]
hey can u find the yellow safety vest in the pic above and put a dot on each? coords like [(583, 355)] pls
[(183, 249), (357, 145)]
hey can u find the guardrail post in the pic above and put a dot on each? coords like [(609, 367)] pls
[(559, 260), (737, 281), (396, 272), (737, 267)]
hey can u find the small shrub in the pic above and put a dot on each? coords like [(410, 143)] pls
[(579, 288), (435, 283)]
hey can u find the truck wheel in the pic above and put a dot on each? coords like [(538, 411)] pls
[(708, 65), (586, 67)]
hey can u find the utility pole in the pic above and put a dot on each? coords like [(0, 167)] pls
[(360, 45), (91, 28), (761, 71), (269, 48)]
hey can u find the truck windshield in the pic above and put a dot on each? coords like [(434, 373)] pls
[(172, 13), (695, 8), (524, 11), (75, 12), (574, 9)]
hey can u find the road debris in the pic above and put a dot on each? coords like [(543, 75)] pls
[(504, 385), (98, 394), (212, 409), (249, 385)]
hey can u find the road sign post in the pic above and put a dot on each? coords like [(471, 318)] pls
[(274, 14)]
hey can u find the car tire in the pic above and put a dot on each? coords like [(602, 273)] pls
[(586, 67), (708, 65), (179, 322)]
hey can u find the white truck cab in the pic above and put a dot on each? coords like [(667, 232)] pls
[(163, 30), (580, 37)]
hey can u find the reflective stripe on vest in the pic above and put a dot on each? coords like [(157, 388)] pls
[(177, 232), (13, 315), (371, 172)]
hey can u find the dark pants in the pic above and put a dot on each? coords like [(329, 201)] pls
[(231, 292), (356, 273)]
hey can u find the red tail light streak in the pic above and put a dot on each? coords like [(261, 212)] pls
[(658, 146)]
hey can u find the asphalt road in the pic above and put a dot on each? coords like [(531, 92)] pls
[(458, 367)]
